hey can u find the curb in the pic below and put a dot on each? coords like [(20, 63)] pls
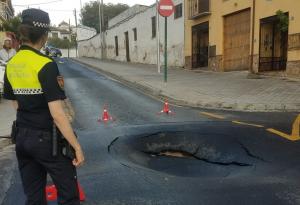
[(159, 94), (4, 142)]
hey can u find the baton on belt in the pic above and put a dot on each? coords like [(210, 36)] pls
[(54, 141)]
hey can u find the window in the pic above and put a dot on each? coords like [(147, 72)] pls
[(135, 34), (65, 38), (153, 21), (178, 11), (116, 46)]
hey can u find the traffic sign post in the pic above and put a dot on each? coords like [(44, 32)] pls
[(166, 9)]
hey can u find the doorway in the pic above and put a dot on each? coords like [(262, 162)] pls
[(127, 46), (200, 36), (273, 45), (237, 41)]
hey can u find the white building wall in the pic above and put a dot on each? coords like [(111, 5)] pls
[(90, 48), (84, 33), (144, 50), (126, 14)]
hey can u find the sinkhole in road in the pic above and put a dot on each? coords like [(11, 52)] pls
[(185, 153)]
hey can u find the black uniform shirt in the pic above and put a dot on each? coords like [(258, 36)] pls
[(33, 87)]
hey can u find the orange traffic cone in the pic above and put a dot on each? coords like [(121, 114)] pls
[(166, 109), (51, 193), (105, 116)]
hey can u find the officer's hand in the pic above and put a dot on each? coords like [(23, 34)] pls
[(78, 161)]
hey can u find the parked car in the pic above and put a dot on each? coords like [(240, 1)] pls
[(52, 51)]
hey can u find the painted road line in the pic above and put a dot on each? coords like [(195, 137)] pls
[(213, 115), (284, 135), (296, 127), (248, 124)]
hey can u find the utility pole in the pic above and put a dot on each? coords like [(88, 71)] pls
[(157, 38), (75, 13), (100, 27), (80, 4), (70, 38)]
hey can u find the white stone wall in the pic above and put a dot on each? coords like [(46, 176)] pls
[(84, 33), (90, 48), (144, 50)]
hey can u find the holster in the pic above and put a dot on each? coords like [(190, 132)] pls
[(13, 133), (60, 144)]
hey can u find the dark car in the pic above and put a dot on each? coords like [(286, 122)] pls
[(52, 51)]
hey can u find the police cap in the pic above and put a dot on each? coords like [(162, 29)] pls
[(36, 18)]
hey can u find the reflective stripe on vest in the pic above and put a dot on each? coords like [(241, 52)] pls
[(22, 72)]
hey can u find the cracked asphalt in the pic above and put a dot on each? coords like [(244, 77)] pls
[(220, 162)]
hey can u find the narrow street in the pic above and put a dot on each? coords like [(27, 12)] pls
[(191, 156)]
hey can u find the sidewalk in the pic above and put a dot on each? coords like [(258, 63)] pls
[(7, 154), (7, 116), (205, 89)]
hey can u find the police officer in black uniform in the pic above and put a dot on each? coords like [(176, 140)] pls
[(31, 83)]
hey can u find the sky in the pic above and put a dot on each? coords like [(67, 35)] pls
[(62, 10)]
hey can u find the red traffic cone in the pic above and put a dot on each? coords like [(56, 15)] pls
[(81, 193), (166, 109), (105, 116), (51, 193)]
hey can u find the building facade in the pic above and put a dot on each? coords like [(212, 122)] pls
[(84, 32), (132, 37), (256, 35), (63, 31), (6, 10)]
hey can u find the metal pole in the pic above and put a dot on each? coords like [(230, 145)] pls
[(166, 47), (75, 13), (252, 38), (100, 28), (70, 39), (103, 31), (158, 38), (80, 4)]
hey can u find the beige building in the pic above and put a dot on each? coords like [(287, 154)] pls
[(6, 10), (254, 35)]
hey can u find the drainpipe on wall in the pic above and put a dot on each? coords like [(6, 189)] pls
[(252, 39)]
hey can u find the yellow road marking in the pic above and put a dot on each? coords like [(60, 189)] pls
[(284, 135), (296, 127), (249, 124), (295, 131), (213, 115)]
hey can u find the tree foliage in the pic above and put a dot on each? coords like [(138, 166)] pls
[(12, 25), (90, 13), (62, 43)]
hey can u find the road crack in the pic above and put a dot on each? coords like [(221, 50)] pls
[(248, 152), (186, 154)]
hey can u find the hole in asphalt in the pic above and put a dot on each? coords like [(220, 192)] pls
[(185, 153)]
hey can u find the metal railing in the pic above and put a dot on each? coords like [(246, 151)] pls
[(198, 8)]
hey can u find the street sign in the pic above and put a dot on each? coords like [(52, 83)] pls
[(166, 8)]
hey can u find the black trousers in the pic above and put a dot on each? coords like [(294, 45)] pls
[(34, 154)]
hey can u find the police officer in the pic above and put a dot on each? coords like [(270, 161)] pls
[(30, 82)]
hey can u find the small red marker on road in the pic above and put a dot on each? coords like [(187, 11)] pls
[(105, 116), (166, 109)]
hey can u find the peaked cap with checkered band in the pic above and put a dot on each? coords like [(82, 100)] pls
[(36, 18)]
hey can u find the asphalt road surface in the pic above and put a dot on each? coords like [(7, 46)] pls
[(190, 157)]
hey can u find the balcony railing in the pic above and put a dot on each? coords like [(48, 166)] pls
[(198, 8)]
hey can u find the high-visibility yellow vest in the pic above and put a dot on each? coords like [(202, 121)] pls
[(22, 72)]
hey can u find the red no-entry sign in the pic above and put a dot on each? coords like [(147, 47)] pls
[(166, 8)]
